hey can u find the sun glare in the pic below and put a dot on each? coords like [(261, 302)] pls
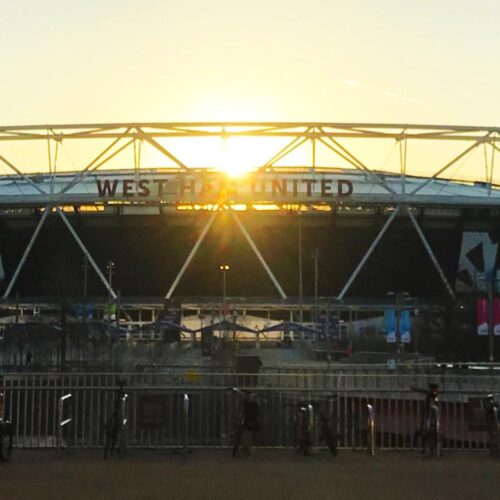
[(239, 156), (235, 156)]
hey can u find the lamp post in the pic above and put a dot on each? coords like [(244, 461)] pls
[(301, 283), (315, 256), (224, 269), (85, 276), (110, 267)]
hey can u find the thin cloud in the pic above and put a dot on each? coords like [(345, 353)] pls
[(355, 83), (393, 95), (385, 93)]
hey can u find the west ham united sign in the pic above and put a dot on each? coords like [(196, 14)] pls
[(147, 186), (209, 188)]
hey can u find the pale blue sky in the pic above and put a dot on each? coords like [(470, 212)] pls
[(175, 60)]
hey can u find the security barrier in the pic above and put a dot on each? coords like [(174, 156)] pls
[(195, 409)]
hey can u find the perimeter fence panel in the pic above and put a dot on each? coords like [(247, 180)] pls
[(156, 418)]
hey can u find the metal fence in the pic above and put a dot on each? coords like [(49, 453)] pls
[(156, 417)]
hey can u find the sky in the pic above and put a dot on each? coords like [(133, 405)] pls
[(180, 60), (430, 61)]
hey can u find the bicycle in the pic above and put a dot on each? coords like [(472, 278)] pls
[(247, 422), (305, 426), (492, 419), (429, 432), (116, 428), (6, 434)]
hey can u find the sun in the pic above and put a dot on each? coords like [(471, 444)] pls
[(234, 156), (240, 156)]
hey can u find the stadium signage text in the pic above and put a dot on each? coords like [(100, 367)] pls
[(206, 188)]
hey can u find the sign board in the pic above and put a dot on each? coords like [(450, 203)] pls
[(404, 326), (212, 187), (390, 325), (329, 324), (150, 186), (482, 316)]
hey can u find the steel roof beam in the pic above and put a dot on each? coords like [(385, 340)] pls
[(370, 250), (92, 168), (192, 253), (430, 252), (450, 163), (27, 251), (87, 253)]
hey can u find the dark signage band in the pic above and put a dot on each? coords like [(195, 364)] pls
[(283, 188)]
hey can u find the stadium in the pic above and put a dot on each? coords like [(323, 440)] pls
[(306, 216), (187, 261)]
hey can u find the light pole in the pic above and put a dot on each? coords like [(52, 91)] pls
[(110, 267), (85, 276), (301, 294), (315, 256), (224, 269)]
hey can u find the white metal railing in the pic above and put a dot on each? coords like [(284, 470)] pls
[(195, 409)]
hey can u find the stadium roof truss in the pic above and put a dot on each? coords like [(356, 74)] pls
[(331, 154)]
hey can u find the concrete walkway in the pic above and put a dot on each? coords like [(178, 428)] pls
[(152, 475)]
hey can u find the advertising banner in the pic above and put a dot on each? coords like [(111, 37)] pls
[(390, 325), (404, 326), (482, 316), (329, 324), (496, 316)]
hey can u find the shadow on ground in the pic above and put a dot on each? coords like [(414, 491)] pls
[(152, 475)]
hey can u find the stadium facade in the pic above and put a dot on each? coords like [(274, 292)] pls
[(332, 226)]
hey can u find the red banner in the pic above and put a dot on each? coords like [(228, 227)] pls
[(482, 316), (496, 316)]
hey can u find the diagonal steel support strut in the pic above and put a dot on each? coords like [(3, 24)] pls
[(204, 232), (370, 250), (259, 255), (431, 253), (86, 252), (27, 251)]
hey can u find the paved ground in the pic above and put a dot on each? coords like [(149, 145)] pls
[(151, 475)]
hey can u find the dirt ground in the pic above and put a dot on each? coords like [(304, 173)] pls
[(151, 475)]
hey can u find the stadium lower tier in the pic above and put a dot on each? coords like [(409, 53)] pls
[(149, 251)]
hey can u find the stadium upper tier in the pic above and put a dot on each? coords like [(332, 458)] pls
[(280, 189), (292, 166)]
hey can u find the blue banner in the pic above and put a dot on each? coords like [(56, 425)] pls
[(90, 311), (390, 325), (329, 325), (79, 310), (404, 326)]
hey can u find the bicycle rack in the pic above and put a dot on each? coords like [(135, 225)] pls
[(62, 422), (185, 415), (124, 413), (371, 429)]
